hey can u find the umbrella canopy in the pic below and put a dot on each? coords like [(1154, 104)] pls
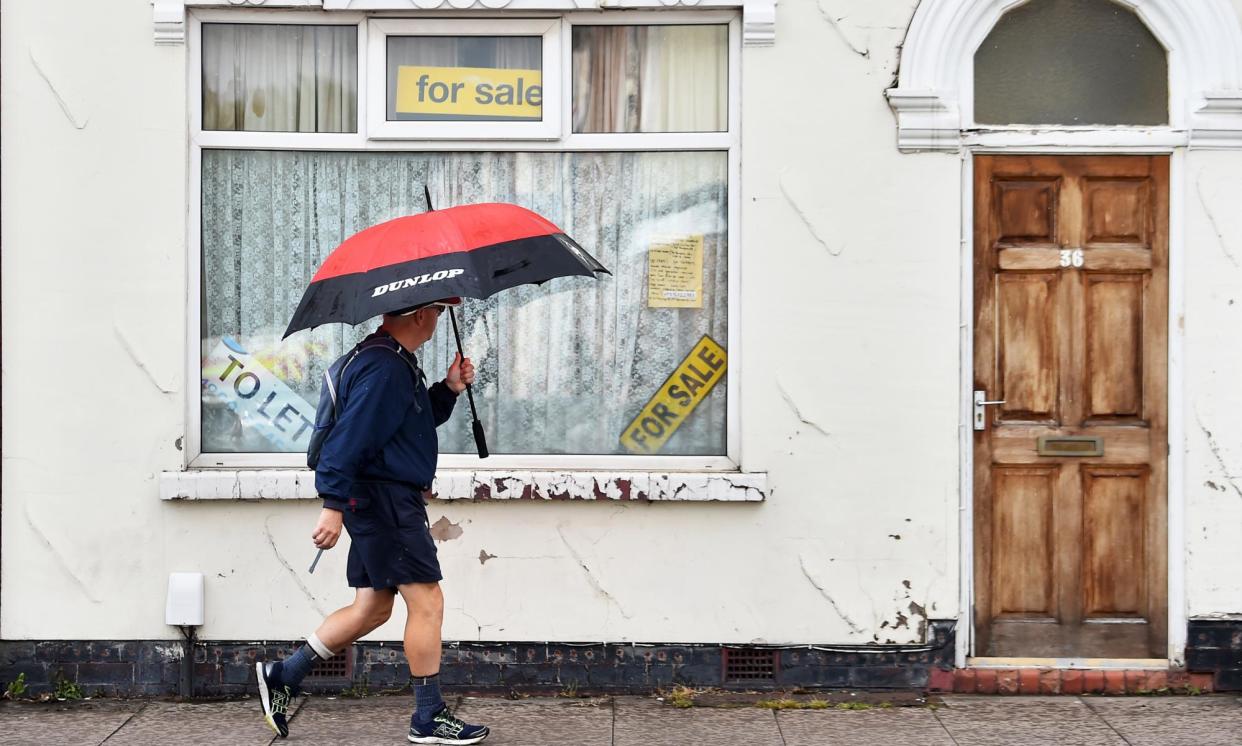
[(470, 251)]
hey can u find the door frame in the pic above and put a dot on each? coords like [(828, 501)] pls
[(1177, 611)]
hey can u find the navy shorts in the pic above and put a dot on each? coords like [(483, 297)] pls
[(390, 538)]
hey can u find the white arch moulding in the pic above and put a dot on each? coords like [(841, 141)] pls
[(934, 96)]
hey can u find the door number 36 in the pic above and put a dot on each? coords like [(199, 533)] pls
[(1071, 258)]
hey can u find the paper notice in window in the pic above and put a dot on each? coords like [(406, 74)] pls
[(675, 273)]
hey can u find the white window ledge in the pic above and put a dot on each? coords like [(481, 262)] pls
[(454, 484)]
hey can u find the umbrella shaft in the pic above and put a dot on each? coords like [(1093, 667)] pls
[(457, 336), (480, 439)]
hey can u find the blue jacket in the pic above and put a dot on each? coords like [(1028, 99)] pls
[(386, 429)]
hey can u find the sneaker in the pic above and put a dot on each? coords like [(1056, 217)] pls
[(275, 696), (447, 728)]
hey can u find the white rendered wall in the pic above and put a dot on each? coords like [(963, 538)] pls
[(850, 361), (1213, 387)]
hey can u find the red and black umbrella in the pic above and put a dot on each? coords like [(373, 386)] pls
[(471, 251)]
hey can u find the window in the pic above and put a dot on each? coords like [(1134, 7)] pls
[(651, 78), (563, 368), (271, 78), (1071, 62), (464, 79)]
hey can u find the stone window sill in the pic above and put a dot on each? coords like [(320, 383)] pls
[(464, 484)]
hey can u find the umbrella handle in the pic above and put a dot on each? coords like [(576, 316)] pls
[(480, 439)]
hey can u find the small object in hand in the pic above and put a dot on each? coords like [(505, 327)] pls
[(316, 561)]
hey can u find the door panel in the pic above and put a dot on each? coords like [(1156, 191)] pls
[(1113, 525), (1115, 346), (1022, 527), (1027, 347), (1071, 295)]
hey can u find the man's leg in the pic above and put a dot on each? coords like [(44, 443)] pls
[(431, 722), (278, 682), (370, 609), (424, 616)]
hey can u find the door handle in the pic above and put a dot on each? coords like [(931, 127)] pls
[(981, 402)]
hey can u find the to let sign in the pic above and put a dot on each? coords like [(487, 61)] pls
[(472, 92), (258, 397), (677, 398)]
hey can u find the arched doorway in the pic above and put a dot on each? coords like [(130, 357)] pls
[(1071, 153)]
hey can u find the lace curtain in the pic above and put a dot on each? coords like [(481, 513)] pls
[(563, 368), (650, 78), (280, 78)]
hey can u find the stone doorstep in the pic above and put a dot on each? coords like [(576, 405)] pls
[(1068, 681)]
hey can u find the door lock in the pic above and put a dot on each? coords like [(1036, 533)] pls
[(980, 403)]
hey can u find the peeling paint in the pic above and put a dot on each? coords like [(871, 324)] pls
[(1220, 458), (853, 627), (617, 487), (484, 556), (179, 442), (445, 530), (921, 612), (807, 222), (297, 579)]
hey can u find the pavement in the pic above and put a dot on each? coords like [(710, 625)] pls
[(640, 721)]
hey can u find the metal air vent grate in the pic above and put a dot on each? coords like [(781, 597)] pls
[(339, 666), (749, 664)]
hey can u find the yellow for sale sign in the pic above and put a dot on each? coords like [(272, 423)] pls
[(483, 92), (677, 398)]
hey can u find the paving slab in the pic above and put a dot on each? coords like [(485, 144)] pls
[(197, 724), (1173, 721), (882, 727), (1029, 721), (358, 722), (645, 722), (542, 721), (86, 723)]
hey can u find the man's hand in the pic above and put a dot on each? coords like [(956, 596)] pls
[(328, 530), (460, 374)]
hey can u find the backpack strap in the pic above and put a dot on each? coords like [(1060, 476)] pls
[(382, 342)]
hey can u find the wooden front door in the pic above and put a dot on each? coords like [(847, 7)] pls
[(1071, 334)]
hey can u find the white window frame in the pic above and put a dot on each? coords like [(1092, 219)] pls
[(376, 60), (728, 141)]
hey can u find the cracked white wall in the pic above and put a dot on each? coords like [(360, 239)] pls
[(850, 362), (1212, 391)]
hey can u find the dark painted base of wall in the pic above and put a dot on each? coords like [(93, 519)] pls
[(143, 667), (1215, 647)]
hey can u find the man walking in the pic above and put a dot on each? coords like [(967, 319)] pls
[(375, 464)]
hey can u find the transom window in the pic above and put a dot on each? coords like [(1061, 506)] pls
[(623, 134), (1071, 62)]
